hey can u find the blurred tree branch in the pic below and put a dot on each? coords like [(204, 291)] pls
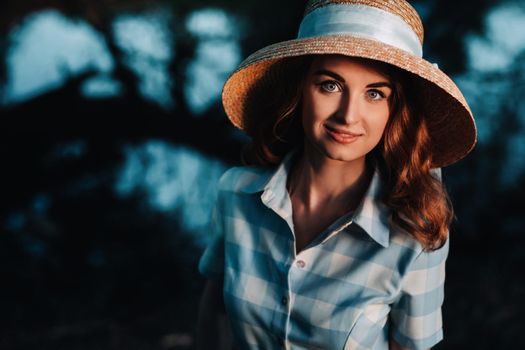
[(447, 24)]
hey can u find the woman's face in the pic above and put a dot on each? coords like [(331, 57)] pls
[(345, 107)]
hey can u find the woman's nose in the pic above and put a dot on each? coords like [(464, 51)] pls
[(349, 109)]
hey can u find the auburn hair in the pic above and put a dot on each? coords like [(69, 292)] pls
[(419, 201)]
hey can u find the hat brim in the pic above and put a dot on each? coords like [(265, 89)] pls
[(451, 124)]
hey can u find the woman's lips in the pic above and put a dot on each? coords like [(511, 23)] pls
[(341, 136)]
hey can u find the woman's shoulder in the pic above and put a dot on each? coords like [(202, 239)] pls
[(245, 179), (412, 250)]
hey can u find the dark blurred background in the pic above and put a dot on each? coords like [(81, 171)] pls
[(113, 138)]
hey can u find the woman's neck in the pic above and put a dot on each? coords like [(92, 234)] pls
[(320, 182)]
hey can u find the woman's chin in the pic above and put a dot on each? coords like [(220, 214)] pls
[(337, 152)]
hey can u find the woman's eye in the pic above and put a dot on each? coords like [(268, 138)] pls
[(375, 95), (330, 86)]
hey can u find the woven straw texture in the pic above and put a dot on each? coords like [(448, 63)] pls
[(452, 127)]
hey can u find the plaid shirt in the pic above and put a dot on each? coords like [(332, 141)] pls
[(358, 281)]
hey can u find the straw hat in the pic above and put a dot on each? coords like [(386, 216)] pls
[(350, 27)]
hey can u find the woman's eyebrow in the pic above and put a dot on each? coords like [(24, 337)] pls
[(330, 74), (380, 84), (342, 80)]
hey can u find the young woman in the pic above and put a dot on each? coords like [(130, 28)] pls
[(336, 236)]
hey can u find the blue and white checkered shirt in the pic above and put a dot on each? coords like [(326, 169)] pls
[(359, 280)]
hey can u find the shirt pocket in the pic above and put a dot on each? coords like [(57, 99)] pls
[(323, 328), (368, 330)]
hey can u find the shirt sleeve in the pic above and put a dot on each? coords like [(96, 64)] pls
[(211, 263), (416, 319)]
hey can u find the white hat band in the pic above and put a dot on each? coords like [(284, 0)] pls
[(363, 21)]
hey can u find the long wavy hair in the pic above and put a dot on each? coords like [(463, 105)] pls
[(419, 201)]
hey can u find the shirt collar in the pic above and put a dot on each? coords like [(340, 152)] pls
[(371, 214)]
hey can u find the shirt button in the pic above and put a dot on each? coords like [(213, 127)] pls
[(284, 301), (301, 263)]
